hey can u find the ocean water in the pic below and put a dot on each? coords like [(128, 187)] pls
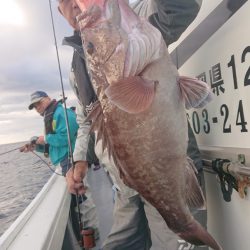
[(22, 176)]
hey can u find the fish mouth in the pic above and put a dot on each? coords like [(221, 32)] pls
[(90, 17)]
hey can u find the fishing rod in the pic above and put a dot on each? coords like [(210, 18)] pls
[(67, 122), (9, 151), (62, 85), (18, 148)]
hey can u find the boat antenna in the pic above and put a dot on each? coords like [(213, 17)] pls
[(66, 118)]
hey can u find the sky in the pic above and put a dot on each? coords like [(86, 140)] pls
[(28, 63)]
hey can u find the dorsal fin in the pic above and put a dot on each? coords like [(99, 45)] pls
[(97, 109), (98, 124)]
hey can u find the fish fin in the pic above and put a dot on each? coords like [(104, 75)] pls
[(97, 124), (95, 112), (193, 192), (133, 94), (197, 235), (100, 133), (195, 92)]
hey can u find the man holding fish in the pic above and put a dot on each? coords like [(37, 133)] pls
[(133, 215)]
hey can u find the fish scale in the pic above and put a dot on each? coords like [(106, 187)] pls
[(141, 112)]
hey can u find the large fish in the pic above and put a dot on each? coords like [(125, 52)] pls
[(141, 115)]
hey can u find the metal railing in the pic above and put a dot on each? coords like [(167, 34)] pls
[(232, 175)]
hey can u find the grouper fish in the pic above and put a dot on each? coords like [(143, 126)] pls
[(140, 116)]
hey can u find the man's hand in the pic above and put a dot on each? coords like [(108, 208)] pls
[(40, 140), (27, 148), (74, 178)]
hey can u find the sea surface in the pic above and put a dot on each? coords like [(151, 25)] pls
[(22, 176)]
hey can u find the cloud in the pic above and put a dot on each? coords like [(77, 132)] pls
[(29, 63)]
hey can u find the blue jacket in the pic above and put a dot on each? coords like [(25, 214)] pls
[(58, 140)]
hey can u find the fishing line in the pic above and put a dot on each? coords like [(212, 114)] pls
[(45, 163), (61, 82), (65, 112), (12, 150), (9, 151)]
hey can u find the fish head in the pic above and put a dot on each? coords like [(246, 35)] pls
[(105, 51), (95, 12), (104, 44), (86, 4), (90, 17), (113, 60)]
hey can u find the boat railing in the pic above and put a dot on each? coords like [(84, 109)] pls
[(231, 174)]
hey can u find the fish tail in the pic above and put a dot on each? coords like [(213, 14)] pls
[(197, 235), (196, 93)]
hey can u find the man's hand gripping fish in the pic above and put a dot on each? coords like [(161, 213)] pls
[(140, 116)]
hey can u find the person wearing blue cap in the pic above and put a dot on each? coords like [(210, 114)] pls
[(36, 97), (56, 138)]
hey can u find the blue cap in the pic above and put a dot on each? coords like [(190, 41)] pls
[(36, 97)]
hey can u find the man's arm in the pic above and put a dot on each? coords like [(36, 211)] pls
[(74, 178), (81, 146), (36, 143), (171, 17)]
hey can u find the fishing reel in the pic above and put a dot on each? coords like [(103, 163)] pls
[(33, 140), (44, 148)]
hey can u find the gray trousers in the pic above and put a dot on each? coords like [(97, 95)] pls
[(130, 229), (138, 226)]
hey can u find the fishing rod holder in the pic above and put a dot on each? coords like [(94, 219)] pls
[(232, 175)]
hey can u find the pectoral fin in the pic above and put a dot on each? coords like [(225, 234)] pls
[(196, 93), (133, 94)]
